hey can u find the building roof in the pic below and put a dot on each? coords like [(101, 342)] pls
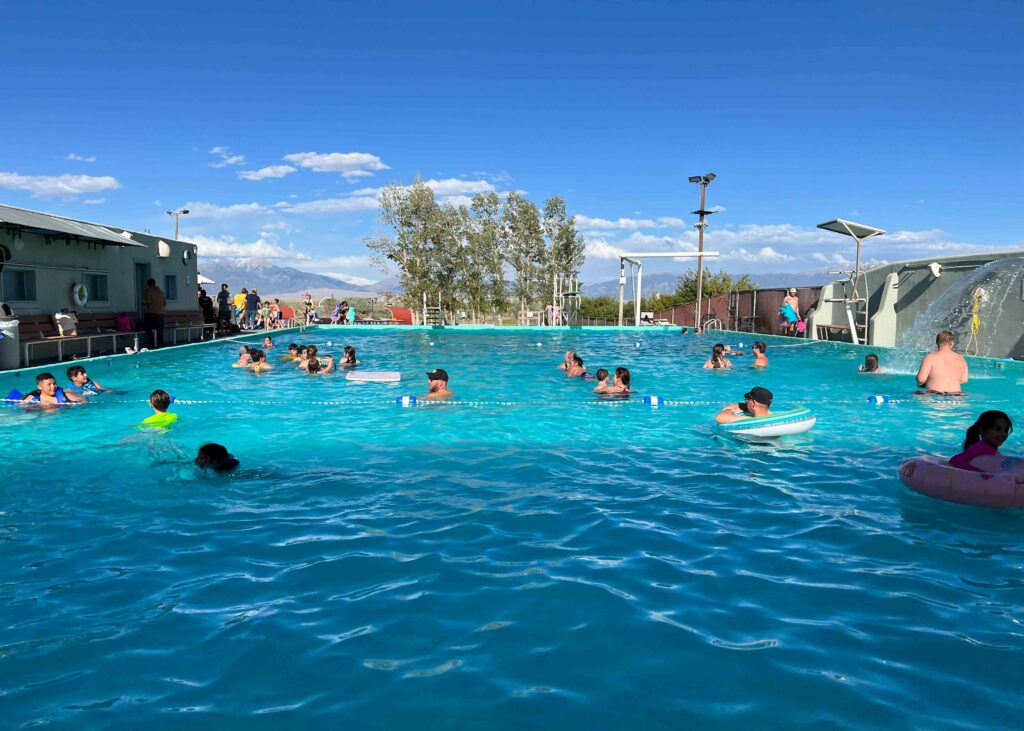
[(47, 223)]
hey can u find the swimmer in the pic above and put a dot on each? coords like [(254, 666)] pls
[(870, 364), (944, 371), (322, 365), (755, 403), (567, 362), (576, 369), (244, 358), (160, 402), (259, 362), (981, 446), (268, 343), (620, 383), (759, 360), (82, 384), (438, 385), (718, 359), (48, 393), (602, 380), (293, 352), (310, 354), (216, 458), (349, 359), (685, 330)]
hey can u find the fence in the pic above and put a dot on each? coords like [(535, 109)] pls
[(751, 310)]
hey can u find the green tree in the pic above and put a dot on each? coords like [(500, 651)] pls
[(714, 283), (522, 246), (484, 240), (565, 244)]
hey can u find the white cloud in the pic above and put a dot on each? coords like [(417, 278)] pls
[(226, 246), (362, 281), (601, 249), (94, 201), (272, 171), (348, 164), (50, 186), (628, 224), (198, 209), (226, 157), (764, 254), (80, 158), (454, 186), (333, 205)]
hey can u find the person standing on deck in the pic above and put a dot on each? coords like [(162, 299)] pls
[(155, 304), (224, 303), (252, 305)]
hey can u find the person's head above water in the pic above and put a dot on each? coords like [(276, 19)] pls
[(438, 374), (46, 383), (77, 375), (577, 360), (601, 375), (160, 400), (215, 457), (761, 395), (870, 363), (992, 427), (622, 376), (759, 346)]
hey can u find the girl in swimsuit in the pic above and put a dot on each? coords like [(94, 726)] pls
[(349, 360), (981, 446), (718, 359)]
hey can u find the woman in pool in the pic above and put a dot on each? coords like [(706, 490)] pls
[(718, 359), (759, 360), (309, 355), (576, 369), (870, 364), (349, 359), (620, 384), (567, 361), (981, 446)]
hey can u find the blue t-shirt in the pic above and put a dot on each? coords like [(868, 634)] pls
[(89, 388), (252, 301)]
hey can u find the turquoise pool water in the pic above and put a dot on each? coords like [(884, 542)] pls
[(529, 557)]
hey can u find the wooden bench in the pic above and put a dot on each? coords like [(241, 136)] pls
[(188, 322), (39, 330)]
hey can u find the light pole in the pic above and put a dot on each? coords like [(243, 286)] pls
[(702, 181), (177, 215)]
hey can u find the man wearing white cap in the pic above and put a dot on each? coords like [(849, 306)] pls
[(794, 302)]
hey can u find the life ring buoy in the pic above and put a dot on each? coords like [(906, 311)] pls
[(935, 477), (779, 424), (79, 294)]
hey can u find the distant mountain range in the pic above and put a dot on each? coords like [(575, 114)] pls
[(283, 282), (666, 283)]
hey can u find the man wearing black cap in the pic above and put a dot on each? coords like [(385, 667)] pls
[(438, 379), (755, 403)]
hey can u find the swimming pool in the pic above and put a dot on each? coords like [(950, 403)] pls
[(529, 556)]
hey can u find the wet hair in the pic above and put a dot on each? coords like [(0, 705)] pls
[(311, 350), (216, 457), (293, 346), (577, 360), (870, 363), (313, 365), (623, 375), (160, 400), (760, 345), (74, 371), (270, 339), (945, 337), (350, 354), (602, 374), (45, 376), (985, 421), (258, 355), (717, 355)]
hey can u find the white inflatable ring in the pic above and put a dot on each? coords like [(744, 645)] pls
[(934, 477), (79, 294), (373, 376), (778, 424)]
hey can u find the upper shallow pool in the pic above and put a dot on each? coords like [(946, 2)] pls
[(527, 556)]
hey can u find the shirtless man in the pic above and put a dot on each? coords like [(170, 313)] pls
[(438, 379), (944, 371), (755, 403)]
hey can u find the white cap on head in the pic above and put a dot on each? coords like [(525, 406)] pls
[(792, 290)]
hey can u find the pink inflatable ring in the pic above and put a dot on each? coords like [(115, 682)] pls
[(934, 477)]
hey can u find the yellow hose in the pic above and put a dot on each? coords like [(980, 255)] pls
[(975, 323)]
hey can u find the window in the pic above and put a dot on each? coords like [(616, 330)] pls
[(97, 286), (171, 287), (19, 285)]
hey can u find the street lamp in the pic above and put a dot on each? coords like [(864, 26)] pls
[(702, 181), (177, 215)]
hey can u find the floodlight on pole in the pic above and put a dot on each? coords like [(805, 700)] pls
[(177, 216), (702, 181)]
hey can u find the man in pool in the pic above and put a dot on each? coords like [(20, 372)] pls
[(755, 403), (438, 380), (943, 372)]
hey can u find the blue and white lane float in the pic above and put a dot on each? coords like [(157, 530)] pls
[(777, 424), (935, 477)]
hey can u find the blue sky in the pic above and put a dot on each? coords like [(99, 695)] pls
[(275, 123)]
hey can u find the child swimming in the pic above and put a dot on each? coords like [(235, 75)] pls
[(620, 383), (259, 362), (268, 343), (349, 359), (293, 352), (981, 446), (160, 402), (215, 457), (48, 393), (82, 384), (602, 380)]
